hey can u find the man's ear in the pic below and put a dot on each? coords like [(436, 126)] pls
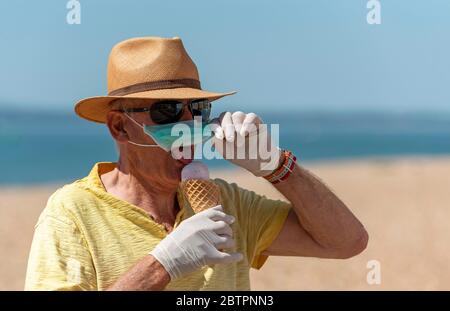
[(115, 122)]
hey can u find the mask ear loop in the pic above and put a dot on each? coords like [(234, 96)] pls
[(132, 142), (141, 145)]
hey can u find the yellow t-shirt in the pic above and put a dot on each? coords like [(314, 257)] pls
[(86, 238)]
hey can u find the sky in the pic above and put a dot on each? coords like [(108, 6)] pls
[(279, 55)]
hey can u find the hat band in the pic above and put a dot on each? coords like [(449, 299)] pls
[(156, 85)]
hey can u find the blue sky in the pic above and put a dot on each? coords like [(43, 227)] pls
[(293, 55)]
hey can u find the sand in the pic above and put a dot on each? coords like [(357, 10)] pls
[(404, 204)]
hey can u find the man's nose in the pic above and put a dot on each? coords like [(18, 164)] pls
[(187, 114)]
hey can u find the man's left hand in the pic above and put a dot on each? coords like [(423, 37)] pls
[(244, 140)]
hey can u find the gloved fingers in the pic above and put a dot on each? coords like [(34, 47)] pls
[(228, 126), (223, 229), (210, 214), (226, 258), (225, 242), (220, 226), (223, 220), (213, 213), (218, 207), (238, 118), (216, 214), (250, 124), (217, 129)]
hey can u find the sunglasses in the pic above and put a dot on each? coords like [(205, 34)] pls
[(171, 111)]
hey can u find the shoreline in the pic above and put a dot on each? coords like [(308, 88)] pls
[(313, 164)]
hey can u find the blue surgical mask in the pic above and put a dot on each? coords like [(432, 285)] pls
[(174, 135)]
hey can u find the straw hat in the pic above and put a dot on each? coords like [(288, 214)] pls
[(150, 67)]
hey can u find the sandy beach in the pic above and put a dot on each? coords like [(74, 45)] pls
[(404, 204)]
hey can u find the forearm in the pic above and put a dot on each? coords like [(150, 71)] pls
[(321, 213), (148, 274)]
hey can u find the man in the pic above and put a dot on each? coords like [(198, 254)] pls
[(127, 226)]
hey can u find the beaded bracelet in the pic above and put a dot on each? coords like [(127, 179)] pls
[(285, 169), (279, 168)]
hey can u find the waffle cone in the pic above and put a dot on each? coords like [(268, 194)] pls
[(201, 194)]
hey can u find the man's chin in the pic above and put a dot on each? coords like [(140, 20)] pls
[(182, 158), (185, 162)]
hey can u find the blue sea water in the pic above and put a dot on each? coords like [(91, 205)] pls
[(59, 147)]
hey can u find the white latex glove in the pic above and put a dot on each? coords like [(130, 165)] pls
[(196, 243), (238, 136)]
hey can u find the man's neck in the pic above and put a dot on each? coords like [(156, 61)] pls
[(159, 202)]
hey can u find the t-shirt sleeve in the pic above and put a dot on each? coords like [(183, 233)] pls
[(261, 220), (59, 257)]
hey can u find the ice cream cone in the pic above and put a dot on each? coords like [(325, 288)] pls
[(201, 194), (200, 191)]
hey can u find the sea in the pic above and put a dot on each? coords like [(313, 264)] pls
[(53, 147)]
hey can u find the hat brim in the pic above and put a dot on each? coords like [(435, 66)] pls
[(96, 108)]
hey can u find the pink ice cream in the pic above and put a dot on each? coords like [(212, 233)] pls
[(195, 170)]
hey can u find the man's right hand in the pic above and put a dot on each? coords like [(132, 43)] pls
[(196, 243)]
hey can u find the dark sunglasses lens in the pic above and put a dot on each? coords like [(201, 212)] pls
[(201, 108), (164, 112)]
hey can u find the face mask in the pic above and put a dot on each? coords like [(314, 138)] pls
[(174, 135)]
